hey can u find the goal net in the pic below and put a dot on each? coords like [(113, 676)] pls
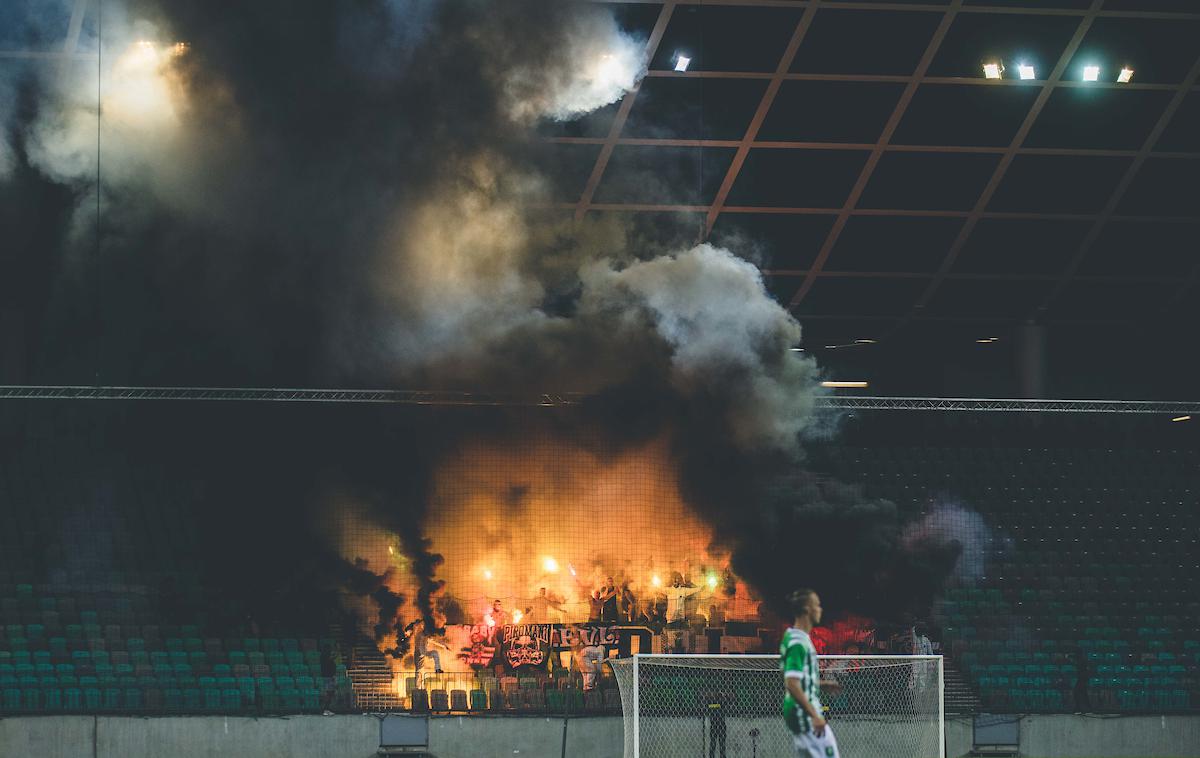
[(731, 705)]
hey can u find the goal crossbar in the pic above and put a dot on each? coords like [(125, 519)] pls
[(722, 705)]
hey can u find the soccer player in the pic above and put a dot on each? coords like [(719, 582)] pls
[(802, 680)]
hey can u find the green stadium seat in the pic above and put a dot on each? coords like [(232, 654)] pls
[(290, 699), (72, 699), (310, 698), (231, 700), (31, 699), (478, 700), (153, 699), (193, 699)]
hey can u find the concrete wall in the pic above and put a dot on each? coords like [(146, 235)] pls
[(515, 737)]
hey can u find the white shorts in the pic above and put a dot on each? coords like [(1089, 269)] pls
[(809, 745)]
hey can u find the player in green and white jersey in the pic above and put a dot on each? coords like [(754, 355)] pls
[(802, 681)]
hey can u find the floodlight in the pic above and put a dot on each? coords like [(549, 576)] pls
[(1125, 76), (1026, 71), (993, 70), (1091, 73), (856, 385), (681, 62), (1177, 419)]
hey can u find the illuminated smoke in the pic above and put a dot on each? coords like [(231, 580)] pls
[(514, 515), (358, 196), (726, 337), (600, 65)]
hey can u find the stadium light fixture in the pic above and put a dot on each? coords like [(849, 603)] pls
[(1125, 76), (1177, 419), (682, 62), (993, 70), (866, 342), (796, 349), (1026, 71), (846, 385), (1091, 73)]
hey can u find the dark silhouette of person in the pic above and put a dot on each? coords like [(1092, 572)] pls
[(716, 705), (1082, 701), (608, 601)]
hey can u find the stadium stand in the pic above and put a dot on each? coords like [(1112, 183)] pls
[(1087, 600), (1086, 597)]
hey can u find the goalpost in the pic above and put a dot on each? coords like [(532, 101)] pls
[(731, 705)]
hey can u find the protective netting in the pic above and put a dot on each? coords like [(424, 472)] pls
[(717, 705)]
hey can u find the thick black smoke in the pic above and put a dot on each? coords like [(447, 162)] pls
[(353, 192)]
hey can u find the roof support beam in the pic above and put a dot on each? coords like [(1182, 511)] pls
[(764, 106), (864, 146), (866, 5), (618, 124), (868, 170), (1119, 191), (1006, 159)]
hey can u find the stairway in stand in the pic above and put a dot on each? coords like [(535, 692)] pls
[(372, 679), (960, 698)]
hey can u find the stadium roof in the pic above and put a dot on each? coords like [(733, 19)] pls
[(898, 193), (889, 189)]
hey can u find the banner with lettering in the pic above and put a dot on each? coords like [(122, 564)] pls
[(519, 646)]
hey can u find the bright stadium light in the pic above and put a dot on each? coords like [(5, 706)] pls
[(1091, 73), (1177, 419), (855, 385), (682, 62), (1125, 76), (993, 70), (1026, 71)]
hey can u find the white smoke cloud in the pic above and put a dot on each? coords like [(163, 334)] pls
[(600, 64), (723, 329)]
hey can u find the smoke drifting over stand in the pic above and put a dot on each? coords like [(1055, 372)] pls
[(353, 193)]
